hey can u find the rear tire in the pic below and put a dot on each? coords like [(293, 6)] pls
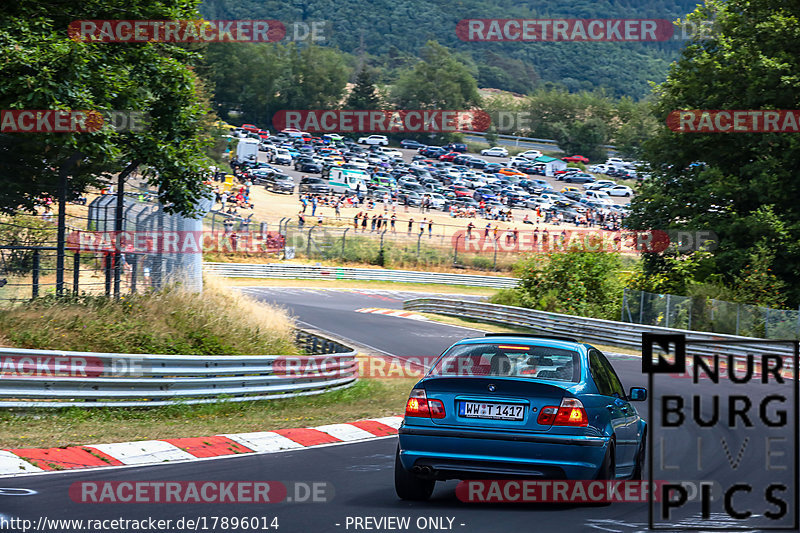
[(638, 468), (608, 468), (408, 486)]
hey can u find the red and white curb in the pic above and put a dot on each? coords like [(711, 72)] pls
[(392, 312), (20, 461)]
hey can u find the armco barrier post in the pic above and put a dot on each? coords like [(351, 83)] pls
[(107, 268), (344, 238), (455, 249), (35, 280), (134, 271), (308, 244), (76, 273)]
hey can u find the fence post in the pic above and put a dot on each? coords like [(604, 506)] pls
[(766, 323), (419, 238), (641, 308), (35, 280), (344, 238), (76, 274), (494, 267), (308, 244), (455, 249), (134, 271), (666, 318), (380, 251), (107, 268), (738, 312), (624, 304)]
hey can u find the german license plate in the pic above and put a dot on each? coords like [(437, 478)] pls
[(496, 411)]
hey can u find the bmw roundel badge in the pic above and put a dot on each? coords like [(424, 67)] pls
[(491, 387)]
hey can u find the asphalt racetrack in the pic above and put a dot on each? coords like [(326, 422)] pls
[(357, 478)]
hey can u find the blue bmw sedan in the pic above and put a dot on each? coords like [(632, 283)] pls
[(510, 405)]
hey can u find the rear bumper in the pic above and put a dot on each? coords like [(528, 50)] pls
[(458, 454)]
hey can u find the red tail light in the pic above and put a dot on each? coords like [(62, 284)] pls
[(419, 405), (569, 413)]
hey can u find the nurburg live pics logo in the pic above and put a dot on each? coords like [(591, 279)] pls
[(732, 431)]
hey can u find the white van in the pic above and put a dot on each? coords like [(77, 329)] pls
[(347, 180), (247, 150)]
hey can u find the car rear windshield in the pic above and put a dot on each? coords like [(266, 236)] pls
[(511, 359)]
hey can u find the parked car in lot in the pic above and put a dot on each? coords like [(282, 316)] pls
[(411, 144), (495, 151), (314, 185), (280, 183), (596, 195), (575, 159), (311, 167), (457, 147), (392, 152), (377, 140), (508, 405), (409, 197), (599, 184), (281, 156), (477, 163), (619, 190), (461, 191), (466, 201), (578, 178), (531, 154), (437, 200)]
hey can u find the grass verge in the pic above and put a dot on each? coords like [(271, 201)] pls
[(217, 321), (369, 398)]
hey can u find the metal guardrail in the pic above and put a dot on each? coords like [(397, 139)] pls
[(46, 378), (277, 270), (517, 139), (590, 330)]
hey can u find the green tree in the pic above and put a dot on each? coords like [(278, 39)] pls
[(438, 81), (364, 94), (252, 82), (43, 69), (743, 186), (575, 282), (582, 137)]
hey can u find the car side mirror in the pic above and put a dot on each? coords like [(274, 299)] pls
[(638, 394)]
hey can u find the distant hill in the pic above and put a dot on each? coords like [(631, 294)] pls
[(393, 31)]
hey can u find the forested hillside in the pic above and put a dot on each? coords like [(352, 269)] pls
[(392, 33)]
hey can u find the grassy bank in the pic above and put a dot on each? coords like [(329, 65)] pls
[(174, 321)]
